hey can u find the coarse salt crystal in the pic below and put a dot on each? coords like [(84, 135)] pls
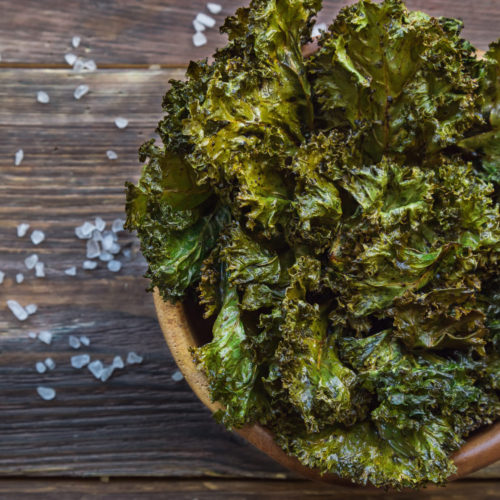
[(40, 270), (71, 271), (46, 393), (99, 224), (88, 265), (93, 249), (127, 253), (117, 225), (70, 58), (30, 262), (118, 362), (42, 97), (114, 266), (19, 277), (37, 236), (96, 235), (105, 256), (74, 342), (177, 376), (32, 335), (96, 368), (89, 65), (80, 91), (199, 39), (85, 340), (214, 8), (115, 248), (31, 309), (45, 336), (2, 276), (134, 358), (22, 229), (18, 157), (17, 310), (208, 21), (106, 373), (80, 360), (50, 364), (198, 26), (121, 122), (40, 367), (107, 241), (84, 232), (75, 41), (111, 154), (318, 29)]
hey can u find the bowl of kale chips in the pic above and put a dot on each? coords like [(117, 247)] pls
[(335, 220)]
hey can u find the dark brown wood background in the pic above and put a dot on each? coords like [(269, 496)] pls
[(141, 424)]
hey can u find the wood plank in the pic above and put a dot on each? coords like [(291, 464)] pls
[(214, 489), (127, 32)]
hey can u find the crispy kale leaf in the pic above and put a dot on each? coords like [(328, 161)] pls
[(339, 218)]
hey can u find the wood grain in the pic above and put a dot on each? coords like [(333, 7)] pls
[(128, 32)]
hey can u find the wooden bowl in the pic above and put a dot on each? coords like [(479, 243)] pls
[(183, 328)]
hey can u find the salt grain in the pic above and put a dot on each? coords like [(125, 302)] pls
[(49, 363), (208, 21), (37, 237), (75, 41), (89, 65), (121, 122), (30, 262), (133, 358), (18, 157), (198, 26), (106, 373), (115, 248), (127, 253), (105, 257), (45, 337), (22, 229), (96, 235), (17, 310), (117, 225), (107, 241), (19, 277), (96, 368), (114, 266), (85, 340), (80, 360), (40, 367), (111, 155), (70, 59), (88, 265), (46, 393), (177, 376), (80, 91), (84, 232), (93, 249), (40, 270), (2, 276), (71, 271), (214, 8), (118, 362), (199, 39), (99, 224), (42, 97), (32, 335), (31, 309), (318, 29), (74, 342)]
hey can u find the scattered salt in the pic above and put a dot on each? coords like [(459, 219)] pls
[(37, 236), (46, 393), (31, 309), (105, 256), (45, 337), (96, 235), (96, 368), (19, 277), (134, 358), (75, 41), (71, 271), (74, 342), (318, 29), (70, 58), (78, 65), (114, 266), (93, 249), (89, 265), (89, 65), (49, 363), (118, 362), (177, 376), (208, 21), (115, 248), (121, 122), (106, 373), (214, 8), (17, 310), (199, 39), (80, 360), (2, 276), (40, 367), (85, 340), (99, 224), (40, 270), (80, 91), (32, 335), (111, 154), (18, 157), (84, 232), (22, 229), (30, 262), (117, 225), (198, 26), (107, 241), (42, 97)]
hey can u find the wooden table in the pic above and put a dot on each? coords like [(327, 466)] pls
[(141, 434)]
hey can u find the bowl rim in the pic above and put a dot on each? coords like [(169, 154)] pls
[(480, 450)]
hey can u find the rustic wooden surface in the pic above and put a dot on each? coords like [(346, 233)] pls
[(141, 422)]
